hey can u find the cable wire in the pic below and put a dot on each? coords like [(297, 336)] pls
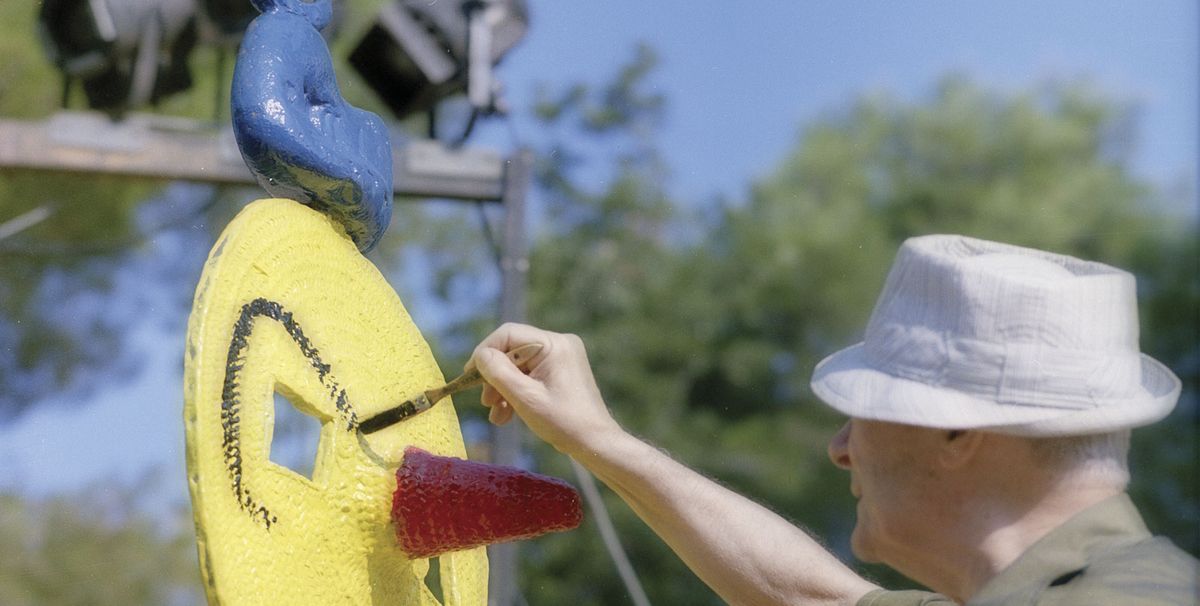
[(608, 533)]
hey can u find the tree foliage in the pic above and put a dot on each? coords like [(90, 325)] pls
[(703, 319), (94, 547), (704, 326)]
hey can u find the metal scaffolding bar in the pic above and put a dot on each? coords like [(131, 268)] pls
[(506, 440)]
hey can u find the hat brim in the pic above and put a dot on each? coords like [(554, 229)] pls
[(849, 384)]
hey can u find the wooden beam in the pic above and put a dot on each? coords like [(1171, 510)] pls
[(160, 147)]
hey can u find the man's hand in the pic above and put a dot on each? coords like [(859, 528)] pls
[(556, 395)]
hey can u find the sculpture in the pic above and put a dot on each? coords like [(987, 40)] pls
[(288, 304)]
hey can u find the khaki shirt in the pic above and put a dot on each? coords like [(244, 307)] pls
[(1103, 555)]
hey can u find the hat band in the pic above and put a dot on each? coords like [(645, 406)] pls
[(1025, 374)]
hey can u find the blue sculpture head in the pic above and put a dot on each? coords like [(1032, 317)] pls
[(314, 148), (316, 12)]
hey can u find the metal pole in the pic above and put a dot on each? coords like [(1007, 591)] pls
[(506, 440)]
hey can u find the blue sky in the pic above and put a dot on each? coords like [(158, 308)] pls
[(740, 79)]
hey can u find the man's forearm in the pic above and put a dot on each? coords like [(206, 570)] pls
[(745, 552)]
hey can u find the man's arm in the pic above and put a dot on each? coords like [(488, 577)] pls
[(745, 552)]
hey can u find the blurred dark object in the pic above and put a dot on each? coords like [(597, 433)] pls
[(421, 52), (224, 21), (127, 53)]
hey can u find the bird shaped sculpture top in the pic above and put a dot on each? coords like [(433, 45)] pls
[(297, 134)]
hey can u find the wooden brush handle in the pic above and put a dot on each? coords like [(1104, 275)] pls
[(472, 378)]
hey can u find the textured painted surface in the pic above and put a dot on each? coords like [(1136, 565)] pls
[(301, 139), (445, 504), (287, 304)]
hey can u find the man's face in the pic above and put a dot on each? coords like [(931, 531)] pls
[(893, 476)]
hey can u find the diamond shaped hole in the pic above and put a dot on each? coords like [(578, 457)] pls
[(296, 437)]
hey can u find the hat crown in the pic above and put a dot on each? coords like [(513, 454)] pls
[(975, 334), (1009, 324), (968, 288)]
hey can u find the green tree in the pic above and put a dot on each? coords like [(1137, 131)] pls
[(704, 327), (94, 547), (703, 321)]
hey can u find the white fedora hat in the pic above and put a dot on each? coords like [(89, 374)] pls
[(971, 334)]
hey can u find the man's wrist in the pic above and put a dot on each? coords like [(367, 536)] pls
[(598, 445)]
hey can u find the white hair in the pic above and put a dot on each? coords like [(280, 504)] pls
[(1102, 457)]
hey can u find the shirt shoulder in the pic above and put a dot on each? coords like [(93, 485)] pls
[(1147, 573), (883, 597)]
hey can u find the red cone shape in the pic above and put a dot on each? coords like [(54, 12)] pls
[(444, 504)]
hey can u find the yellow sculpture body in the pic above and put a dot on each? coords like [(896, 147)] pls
[(287, 304)]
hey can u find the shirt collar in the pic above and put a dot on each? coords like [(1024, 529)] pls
[(1064, 551)]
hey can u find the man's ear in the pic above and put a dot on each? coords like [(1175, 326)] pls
[(958, 447)]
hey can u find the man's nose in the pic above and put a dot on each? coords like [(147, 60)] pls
[(839, 451)]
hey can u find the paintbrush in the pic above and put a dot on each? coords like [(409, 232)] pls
[(425, 400)]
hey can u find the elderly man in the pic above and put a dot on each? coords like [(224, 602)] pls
[(990, 406)]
